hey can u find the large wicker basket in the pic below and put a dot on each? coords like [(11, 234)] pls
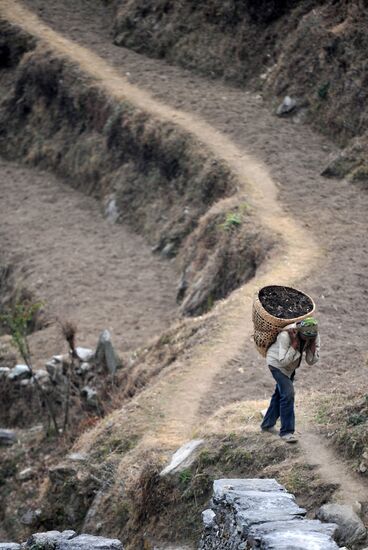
[(267, 327)]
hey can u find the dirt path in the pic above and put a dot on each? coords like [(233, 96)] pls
[(332, 470), (84, 268), (332, 213)]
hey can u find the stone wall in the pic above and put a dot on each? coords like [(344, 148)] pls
[(260, 513)]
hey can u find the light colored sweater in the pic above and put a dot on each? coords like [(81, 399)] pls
[(284, 357)]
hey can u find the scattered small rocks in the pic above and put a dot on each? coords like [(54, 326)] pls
[(87, 371), (7, 437), (351, 529)]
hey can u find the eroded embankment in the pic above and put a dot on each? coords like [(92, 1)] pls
[(312, 50), (147, 173)]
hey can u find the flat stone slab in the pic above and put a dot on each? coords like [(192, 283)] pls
[(90, 542), (297, 534), (183, 457), (255, 507), (9, 546), (49, 538), (227, 486), (68, 540)]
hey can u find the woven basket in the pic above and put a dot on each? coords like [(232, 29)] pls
[(267, 327)]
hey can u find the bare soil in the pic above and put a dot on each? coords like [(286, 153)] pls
[(99, 274)]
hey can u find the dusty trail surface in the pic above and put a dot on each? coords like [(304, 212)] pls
[(84, 268), (331, 212)]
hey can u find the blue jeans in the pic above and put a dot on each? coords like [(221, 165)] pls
[(282, 404)]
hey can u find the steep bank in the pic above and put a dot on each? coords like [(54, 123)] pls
[(312, 50)]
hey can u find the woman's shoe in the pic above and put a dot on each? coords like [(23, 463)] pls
[(289, 438)]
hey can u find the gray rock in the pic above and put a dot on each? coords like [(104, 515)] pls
[(78, 457), (9, 546), (26, 474), (84, 368), (287, 106), (105, 353), (111, 210), (49, 540), (84, 354), (91, 396), (89, 542), (351, 529), (183, 458), (255, 507), (30, 517), (19, 372), (222, 487), (55, 370), (297, 534), (209, 519), (7, 437), (41, 375)]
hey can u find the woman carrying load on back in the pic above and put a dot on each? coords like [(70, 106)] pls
[(283, 358)]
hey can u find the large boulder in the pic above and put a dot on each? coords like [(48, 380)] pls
[(351, 529)]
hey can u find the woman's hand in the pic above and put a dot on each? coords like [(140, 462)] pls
[(312, 344), (294, 341)]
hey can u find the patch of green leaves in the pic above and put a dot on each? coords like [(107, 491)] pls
[(232, 221), (323, 90)]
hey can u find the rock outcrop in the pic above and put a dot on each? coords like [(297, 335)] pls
[(260, 513), (66, 540)]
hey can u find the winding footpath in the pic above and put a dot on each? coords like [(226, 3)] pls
[(179, 396)]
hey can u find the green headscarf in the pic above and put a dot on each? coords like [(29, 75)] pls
[(308, 327)]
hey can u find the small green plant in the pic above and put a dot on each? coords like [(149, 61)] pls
[(323, 90), (18, 320), (232, 221), (356, 418), (185, 477)]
